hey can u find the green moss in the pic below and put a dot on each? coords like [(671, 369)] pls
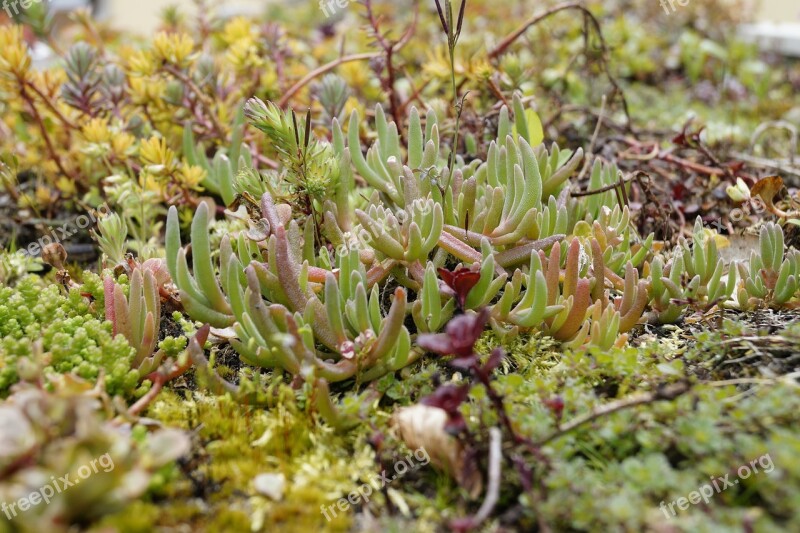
[(236, 443), (73, 336), (138, 517), (613, 473)]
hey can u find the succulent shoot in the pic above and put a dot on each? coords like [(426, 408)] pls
[(771, 276)]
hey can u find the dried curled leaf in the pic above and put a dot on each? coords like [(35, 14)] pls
[(422, 426), (767, 188)]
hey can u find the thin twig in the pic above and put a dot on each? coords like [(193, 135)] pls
[(669, 392), (46, 136), (415, 95), (206, 100), (501, 47), (498, 93), (668, 157), (513, 36), (390, 49), (162, 376), (606, 188), (493, 486), (158, 381), (751, 381), (590, 150), (67, 122), (319, 71), (772, 164)]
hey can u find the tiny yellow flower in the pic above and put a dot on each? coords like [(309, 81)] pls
[(44, 196), (15, 61), (157, 156), (122, 144), (49, 81), (173, 48), (244, 55), (147, 90), (142, 63), (238, 29), (150, 183), (483, 69), (96, 131), (190, 176), (355, 73), (67, 187)]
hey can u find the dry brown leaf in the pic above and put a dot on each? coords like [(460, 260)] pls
[(422, 426), (767, 188)]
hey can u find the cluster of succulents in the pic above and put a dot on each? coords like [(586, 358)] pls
[(330, 218), (318, 310), (305, 288), (322, 227), (693, 276), (137, 315), (771, 275)]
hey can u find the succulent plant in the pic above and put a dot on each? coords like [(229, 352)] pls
[(602, 330), (695, 275), (294, 329), (704, 268), (332, 92), (200, 293), (771, 276), (82, 90), (619, 244), (138, 316), (566, 311), (428, 312), (667, 290), (111, 236), (507, 199), (221, 171), (409, 236)]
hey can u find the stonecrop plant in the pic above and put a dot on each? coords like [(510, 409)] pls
[(37, 320), (346, 244), (335, 244), (466, 228)]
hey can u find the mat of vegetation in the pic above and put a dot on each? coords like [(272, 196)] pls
[(399, 266)]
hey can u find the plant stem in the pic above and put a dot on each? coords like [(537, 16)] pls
[(322, 70), (665, 393), (40, 122), (457, 108)]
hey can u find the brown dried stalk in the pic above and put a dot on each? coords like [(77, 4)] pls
[(503, 45)]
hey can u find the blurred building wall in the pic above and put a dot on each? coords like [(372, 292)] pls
[(141, 16), (780, 10)]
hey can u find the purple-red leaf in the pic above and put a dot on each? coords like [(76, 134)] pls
[(449, 398), (459, 337), (460, 282), (494, 360)]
